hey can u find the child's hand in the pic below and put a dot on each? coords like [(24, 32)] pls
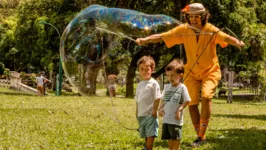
[(154, 114), (161, 112), (178, 114)]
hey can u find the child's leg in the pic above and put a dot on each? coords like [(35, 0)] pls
[(42, 91), (39, 90), (151, 131), (149, 143), (176, 145), (170, 144)]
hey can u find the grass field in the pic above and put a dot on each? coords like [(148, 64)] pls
[(74, 122)]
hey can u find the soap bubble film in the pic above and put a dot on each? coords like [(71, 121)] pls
[(91, 50)]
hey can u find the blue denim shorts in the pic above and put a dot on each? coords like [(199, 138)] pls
[(148, 126)]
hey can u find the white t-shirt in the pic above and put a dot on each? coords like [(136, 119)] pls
[(174, 97), (146, 93), (40, 81)]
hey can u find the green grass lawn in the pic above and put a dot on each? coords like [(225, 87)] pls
[(76, 122)]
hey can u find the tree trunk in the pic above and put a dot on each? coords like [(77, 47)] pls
[(51, 79), (54, 82), (131, 73), (120, 4), (230, 87), (91, 78)]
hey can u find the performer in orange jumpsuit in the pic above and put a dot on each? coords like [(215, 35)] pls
[(202, 71)]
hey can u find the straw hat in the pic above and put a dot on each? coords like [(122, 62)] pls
[(195, 9)]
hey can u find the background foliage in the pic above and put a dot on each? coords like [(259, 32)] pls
[(26, 45)]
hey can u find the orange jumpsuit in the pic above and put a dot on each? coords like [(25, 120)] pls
[(206, 73)]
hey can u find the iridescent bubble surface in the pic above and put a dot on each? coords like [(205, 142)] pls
[(91, 49)]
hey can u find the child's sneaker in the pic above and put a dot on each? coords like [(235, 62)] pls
[(198, 142), (144, 148)]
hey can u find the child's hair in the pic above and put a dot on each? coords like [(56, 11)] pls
[(147, 60), (176, 64)]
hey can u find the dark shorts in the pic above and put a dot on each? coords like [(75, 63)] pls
[(171, 132)]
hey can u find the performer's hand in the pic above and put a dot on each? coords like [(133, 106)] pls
[(235, 42), (240, 44), (141, 41)]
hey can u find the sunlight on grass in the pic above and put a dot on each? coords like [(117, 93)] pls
[(76, 122)]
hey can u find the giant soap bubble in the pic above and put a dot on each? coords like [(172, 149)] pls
[(91, 50)]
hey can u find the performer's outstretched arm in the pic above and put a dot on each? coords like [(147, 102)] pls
[(233, 41), (155, 38)]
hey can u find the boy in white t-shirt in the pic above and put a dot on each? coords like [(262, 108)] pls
[(175, 98), (147, 99)]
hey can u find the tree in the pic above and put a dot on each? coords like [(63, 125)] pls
[(7, 43), (25, 43), (256, 64)]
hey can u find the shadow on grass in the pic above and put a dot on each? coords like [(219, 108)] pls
[(241, 99), (157, 143), (139, 144), (235, 139), (240, 139), (16, 94), (35, 110), (161, 143), (258, 117)]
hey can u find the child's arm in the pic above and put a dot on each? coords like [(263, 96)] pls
[(136, 99), (46, 80), (136, 109), (180, 109), (161, 108), (155, 107)]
